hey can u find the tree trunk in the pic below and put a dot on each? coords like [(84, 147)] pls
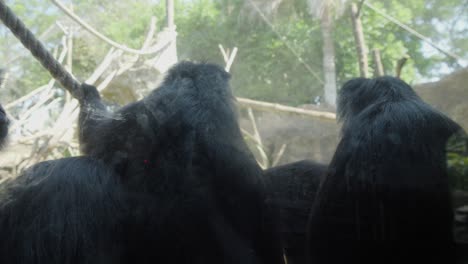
[(378, 67), (170, 54), (360, 43), (170, 13), (328, 49)]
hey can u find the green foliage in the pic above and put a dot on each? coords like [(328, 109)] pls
[(274, 63), (31, 73), (265, 67), (392, 41), (457, 161), (458, 171)]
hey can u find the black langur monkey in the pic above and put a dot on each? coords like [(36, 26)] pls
[(385, 197), (199, 196)]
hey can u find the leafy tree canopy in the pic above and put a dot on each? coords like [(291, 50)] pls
[(279, 53)]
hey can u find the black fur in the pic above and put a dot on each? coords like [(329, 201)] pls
[(385, 197), (293, 189), (62, 211), (199, 195), (4, 122)]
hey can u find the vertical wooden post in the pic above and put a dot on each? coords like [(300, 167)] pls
[(360, 42), (69, 45), (170, 13), (170, 54), (328, 49), (378, 67)]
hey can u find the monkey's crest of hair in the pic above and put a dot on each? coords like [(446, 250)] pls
[(194, 70), (357, 94), (206, 78), (388, 98), (198, 88)]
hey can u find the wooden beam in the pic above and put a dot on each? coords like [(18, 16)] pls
[(286, 109)]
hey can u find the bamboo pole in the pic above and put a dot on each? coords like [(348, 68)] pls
[(287, 109)]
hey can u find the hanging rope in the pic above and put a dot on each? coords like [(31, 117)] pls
[(39, 51)]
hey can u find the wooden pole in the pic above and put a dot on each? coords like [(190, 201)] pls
[(329, 67), (378, 67), (286, 109), (360, 42), (170, 13)]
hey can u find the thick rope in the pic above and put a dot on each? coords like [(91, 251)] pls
[(39, 51)]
